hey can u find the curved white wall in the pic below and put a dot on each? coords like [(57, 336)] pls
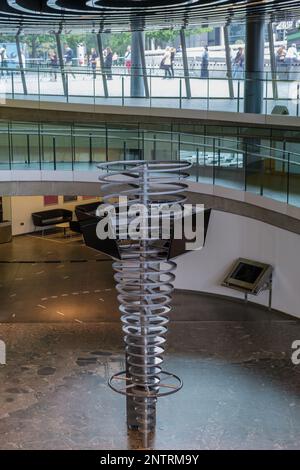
[(232, 236)]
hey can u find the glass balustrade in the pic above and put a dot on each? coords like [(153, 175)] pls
[(267, 168), (81, 85)]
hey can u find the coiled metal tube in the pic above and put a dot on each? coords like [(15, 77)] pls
[(144, 282)]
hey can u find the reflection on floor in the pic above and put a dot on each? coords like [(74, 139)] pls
[(55, 279), (241, 390)]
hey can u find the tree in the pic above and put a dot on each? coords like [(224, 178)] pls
[(168, 36), (4, 38), (38, 44), (118, 42), (162, 37)]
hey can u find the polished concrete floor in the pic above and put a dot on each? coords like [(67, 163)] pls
[(61, 326)]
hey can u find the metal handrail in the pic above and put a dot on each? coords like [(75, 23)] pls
[(90, 133), (24, 81), (138, 70), (87, 70), (179, 141), (242, 174)]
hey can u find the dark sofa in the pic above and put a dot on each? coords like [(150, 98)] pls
[(51, 217), (84, 211)]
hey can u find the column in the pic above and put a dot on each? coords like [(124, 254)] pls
[(21, 64), (137, 79), (61, 62), (143, 62), (228, 61), (272, 60), (254, 66), (185, 64), (100, 53)]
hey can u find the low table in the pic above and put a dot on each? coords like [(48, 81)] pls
[(64, 226)]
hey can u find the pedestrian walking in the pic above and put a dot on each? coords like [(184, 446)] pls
[(204, 63), (127, 60), (93, 61), (108, 63), (173, 53), (281, 63), (53, 64), (68, 57), (3, 60), (238, 64), (291, 59), (166, 63)]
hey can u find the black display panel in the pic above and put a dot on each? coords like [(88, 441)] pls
[(247, 273), (248, 276)]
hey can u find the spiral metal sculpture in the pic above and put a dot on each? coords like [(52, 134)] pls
[(144, 281)]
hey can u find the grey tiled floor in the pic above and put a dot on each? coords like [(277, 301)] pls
[(241, 390)]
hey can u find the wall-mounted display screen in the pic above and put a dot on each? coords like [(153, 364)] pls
[(247, 273), (248, 276)]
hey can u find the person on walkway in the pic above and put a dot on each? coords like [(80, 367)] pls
[(280, 54), (281, 64), (291, 59), (238, 64), (93, 61), (68, 57), (53, 64), (127, 60), (204, 63), (108, 63), (87, 61), (166, 63), (173, 53), (3, 60), (115, 58), (292, 53)]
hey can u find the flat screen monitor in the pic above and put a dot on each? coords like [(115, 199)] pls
[(249, 276)]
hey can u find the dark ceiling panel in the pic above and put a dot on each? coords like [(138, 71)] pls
[(118, 15)]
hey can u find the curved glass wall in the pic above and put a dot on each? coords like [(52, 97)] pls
[(262, 166)]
